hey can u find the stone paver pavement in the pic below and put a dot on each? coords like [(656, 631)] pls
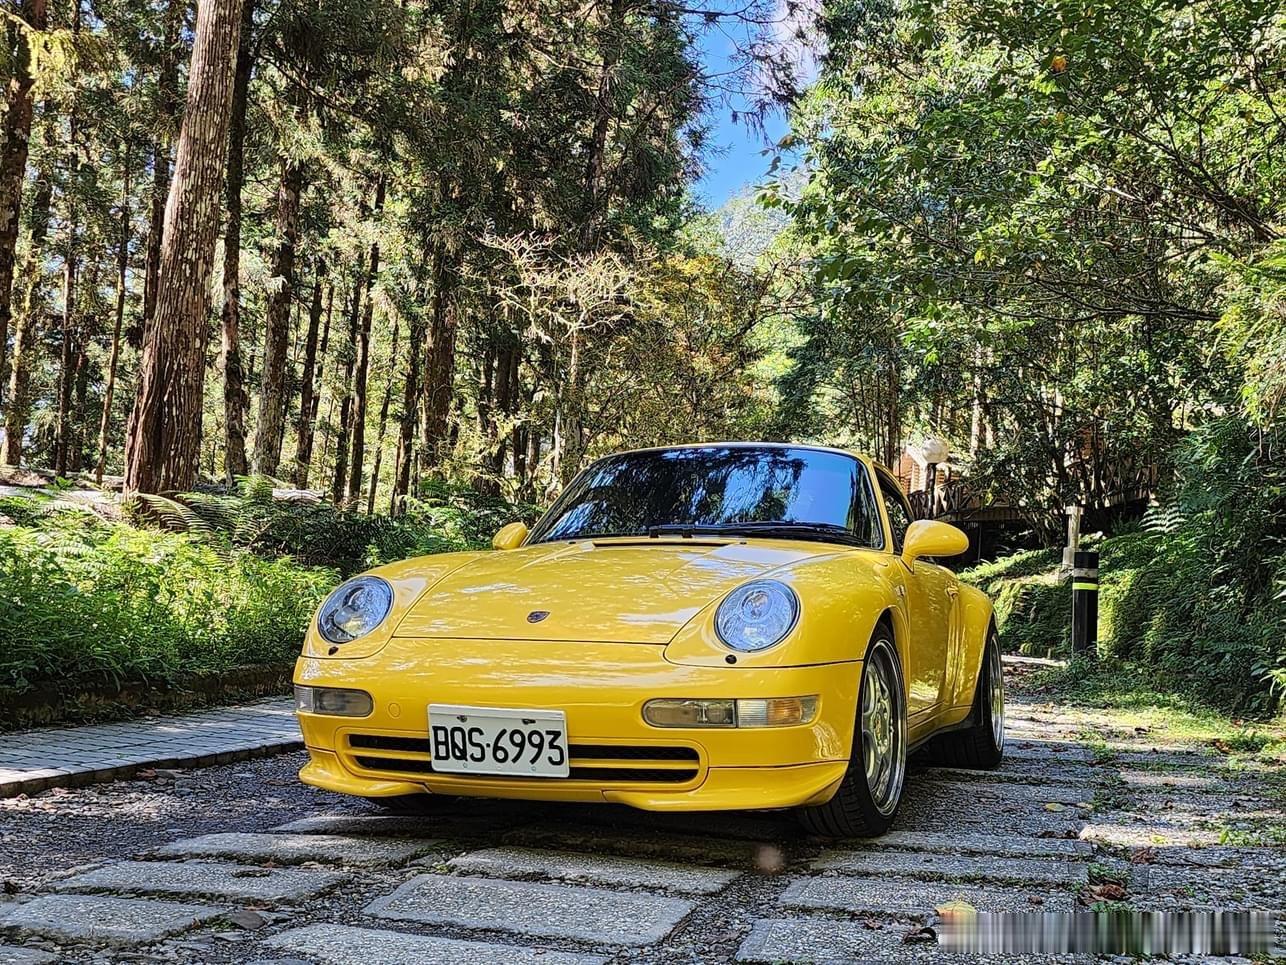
[(35, 760), (1057, 828), (298, 848), (103, 919), (344, 945), (204, 879), (567, 866), (533, 909)]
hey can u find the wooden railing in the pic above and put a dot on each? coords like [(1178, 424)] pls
[(1128, 480)]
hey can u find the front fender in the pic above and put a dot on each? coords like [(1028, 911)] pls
[(410, 579), (841, 597)]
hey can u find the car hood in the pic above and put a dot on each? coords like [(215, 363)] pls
[(618, 590)]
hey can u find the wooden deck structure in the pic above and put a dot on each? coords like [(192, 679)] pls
[(962, 500)]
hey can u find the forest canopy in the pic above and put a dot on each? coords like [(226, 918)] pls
[(374, 248)]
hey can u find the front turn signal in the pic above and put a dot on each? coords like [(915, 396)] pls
[(757, 712), (333, 702)]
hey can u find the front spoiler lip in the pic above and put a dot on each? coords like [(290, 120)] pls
[(720, 788)]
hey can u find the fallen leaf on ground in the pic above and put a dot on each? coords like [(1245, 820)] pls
[(1055, 806), (920, 935), (1108, 891)]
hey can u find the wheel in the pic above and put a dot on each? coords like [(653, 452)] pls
[(869, 796), (981, 745)]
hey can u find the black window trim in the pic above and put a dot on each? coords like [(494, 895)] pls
[(887, 478)]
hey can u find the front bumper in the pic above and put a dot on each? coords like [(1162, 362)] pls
[(615, 756)]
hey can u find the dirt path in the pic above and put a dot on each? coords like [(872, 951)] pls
[(241, 863)]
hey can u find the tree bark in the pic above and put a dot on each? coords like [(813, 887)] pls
[(168, 90), (18, 406), (271, 422), (410, 404), (379, 435), (235, 401), (62, 423), (14, 147), (309, 385), (113, 361), (353, 493), (439, 358), (340, 479), (571, 439), (595, 200), (162, 443)]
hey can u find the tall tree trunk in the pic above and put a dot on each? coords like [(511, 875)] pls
[(273, 388), (439, 361), (18, 407), (235, 401), (76, 446), (410, 404), (168, 92), (309, 385), (595, 200), (571, 449), (113, 361), (353, 493), (14, 144), (87, 334), (162, 444), (62, 424), (379, 434), (532, 459), (340, 480)]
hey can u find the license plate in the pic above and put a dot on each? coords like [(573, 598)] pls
[(498, 740)]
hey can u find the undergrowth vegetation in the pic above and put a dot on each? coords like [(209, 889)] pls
[(441, 518), (223, 582), (1195, 592)]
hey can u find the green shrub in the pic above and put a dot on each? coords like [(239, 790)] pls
[(1196, 592), (1031, 601), (441, 519), (84, 599)]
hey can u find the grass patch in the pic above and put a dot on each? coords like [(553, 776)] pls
[(224, 583), (82, 599), (1182, 716)]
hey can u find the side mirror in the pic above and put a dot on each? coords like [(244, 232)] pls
[(510, 537), (928, 537)]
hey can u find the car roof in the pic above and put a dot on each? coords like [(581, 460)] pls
[(750, 445)]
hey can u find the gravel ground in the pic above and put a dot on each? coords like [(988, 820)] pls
[(1063, 824)]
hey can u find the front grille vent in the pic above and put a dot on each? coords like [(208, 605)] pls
[(587, 760)]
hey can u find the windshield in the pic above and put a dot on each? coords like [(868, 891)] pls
[(771, 491)]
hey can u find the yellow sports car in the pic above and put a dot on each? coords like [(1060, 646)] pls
[(704, 627)]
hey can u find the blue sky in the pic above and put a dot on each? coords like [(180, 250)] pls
[(734, 156)]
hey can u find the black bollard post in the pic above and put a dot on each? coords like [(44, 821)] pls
[(1085, 604)]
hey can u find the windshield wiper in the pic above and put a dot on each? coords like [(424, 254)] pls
[(827, 532)]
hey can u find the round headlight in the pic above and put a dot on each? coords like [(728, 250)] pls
[(355, 609), (757, 615)]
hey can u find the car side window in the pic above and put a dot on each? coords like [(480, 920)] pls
[(864, 520), (898, 510)]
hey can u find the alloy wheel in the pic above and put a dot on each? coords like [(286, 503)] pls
[(996, 674), (883, 729)]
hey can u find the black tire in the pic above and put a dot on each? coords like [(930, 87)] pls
[(856, 810), (980, 746)]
